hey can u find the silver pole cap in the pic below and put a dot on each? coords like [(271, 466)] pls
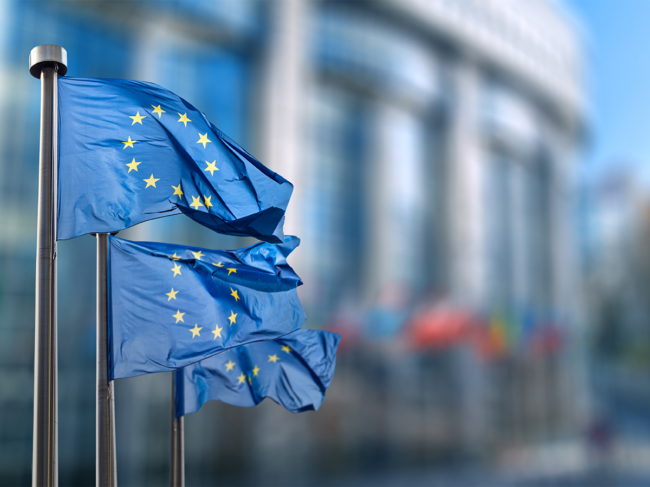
[(47, 55)]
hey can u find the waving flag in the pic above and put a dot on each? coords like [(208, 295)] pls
[(171, 305), (294, 371), (131, 151)]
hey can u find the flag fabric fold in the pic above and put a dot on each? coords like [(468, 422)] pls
[(293, 371), (131, 151), (173, 305)]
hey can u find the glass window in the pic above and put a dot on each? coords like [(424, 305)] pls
[(334, 209), (538, 233), (403, 193), (498, 224)]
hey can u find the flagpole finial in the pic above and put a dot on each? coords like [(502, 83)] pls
[(48, 55)]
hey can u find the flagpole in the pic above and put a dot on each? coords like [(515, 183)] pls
[(105, 466), (177, 455), (46, 62)]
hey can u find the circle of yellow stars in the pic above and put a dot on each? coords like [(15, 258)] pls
[(245, 376), (151, 181), (177, 271)]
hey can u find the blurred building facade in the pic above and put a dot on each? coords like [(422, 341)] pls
[(431, 144), (433, 154)]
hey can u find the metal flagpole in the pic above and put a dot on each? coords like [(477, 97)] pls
[(46, 62), (105, 466), (177, 458)]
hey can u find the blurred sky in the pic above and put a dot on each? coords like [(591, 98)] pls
[(617, 35)]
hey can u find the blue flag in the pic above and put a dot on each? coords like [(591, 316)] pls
[(294, 371), (131, 151), (171, 305)]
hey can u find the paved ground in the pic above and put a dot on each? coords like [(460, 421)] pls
[(486, 480)]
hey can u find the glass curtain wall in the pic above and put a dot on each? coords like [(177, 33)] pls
[(334, 207), (498, 213)]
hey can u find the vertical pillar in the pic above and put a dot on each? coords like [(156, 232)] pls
[(105, 466), (284, 77), (283, 95), (177, 452), (466, 241), (465, 205), (46, 62)]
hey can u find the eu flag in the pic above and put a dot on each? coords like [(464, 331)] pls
[(294, 371), (131, 151), (171, 305)]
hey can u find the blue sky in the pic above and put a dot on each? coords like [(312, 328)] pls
[(617, 49)]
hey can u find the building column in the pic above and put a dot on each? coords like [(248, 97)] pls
[(466, 248), (283, 90), (465, 189), (282, 95)]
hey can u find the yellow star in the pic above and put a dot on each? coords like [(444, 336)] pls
[(203, 139), (179, 316), (211, 166), (183, 118), (217, 331), (285, 348), (256, 370), (195, 331), (176, 269), (242, 379), (232, 317), (230, 365), (137, 118), (207, 201), (177, 190), (130, 143), (218, 265), (158, 110), (273, 358), (232, 270), (133, 165), (198, 255), (151, 182), (196, 202), (172, 294), (249, 381), (174, 257), (234, 294)]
